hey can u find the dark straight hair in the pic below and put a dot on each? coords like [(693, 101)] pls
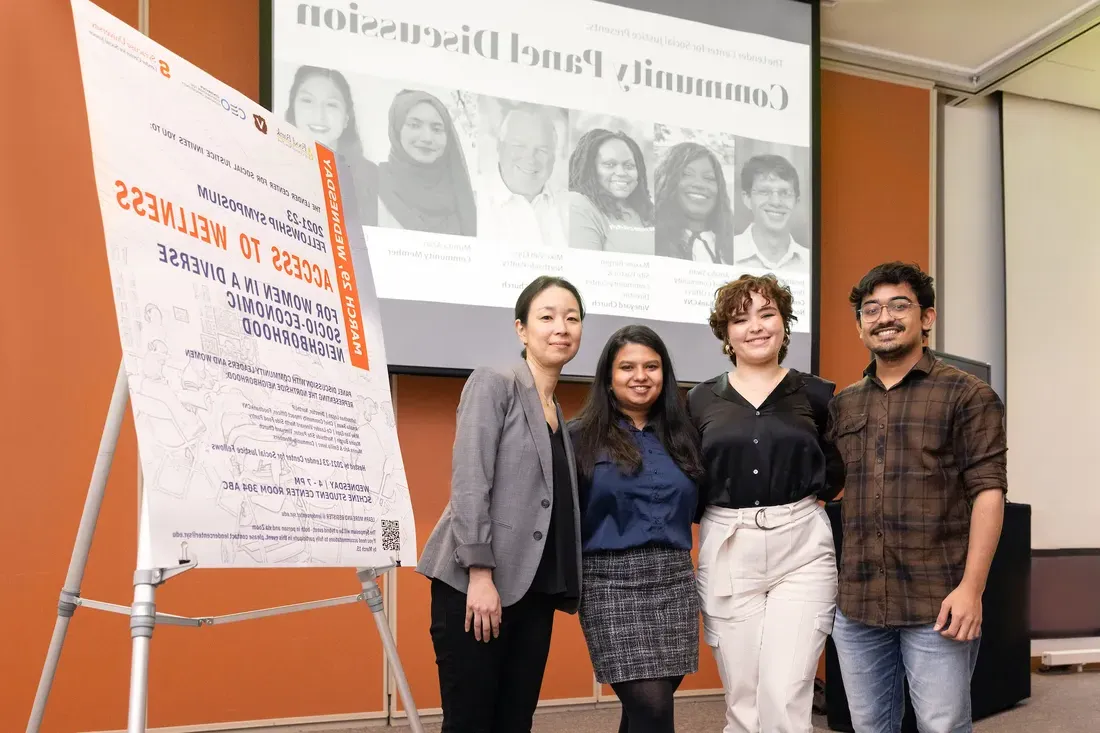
[(597, 430), (536, 286)]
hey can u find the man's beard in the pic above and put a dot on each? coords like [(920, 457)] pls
[(894, 350)]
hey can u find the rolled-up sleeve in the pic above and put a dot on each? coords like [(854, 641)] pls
[(980, 442), (481, 412)]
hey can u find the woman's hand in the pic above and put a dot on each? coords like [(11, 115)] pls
[(482, 605)]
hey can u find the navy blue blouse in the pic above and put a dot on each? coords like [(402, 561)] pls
[(655, 507)]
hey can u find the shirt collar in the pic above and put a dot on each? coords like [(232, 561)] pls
[(707, 241), (629, 426), (790, 384), (923, 366), (745, 249), (498, 193)]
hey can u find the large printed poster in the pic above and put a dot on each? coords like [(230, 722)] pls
[(248, 320)]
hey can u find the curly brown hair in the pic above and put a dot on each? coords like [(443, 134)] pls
[(736, 296)]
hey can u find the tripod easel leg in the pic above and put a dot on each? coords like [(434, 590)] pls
[(143, 618), (146, 580), (373, 596), (70, 592)]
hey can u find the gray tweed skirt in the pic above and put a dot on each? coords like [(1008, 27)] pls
[(640, 614)]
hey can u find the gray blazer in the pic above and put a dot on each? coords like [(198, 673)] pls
[(501, 486)]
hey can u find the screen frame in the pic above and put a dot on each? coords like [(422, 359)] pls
[(267, 50), (948, 358)]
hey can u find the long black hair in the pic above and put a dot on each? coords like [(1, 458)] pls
[(671, 221), (597, 429), (583, 178)]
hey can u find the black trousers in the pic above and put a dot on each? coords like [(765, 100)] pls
[(490, 687)]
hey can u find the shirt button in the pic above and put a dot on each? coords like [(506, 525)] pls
[(755, 440), (538, 535), (545, 503), (756, 503), (758, 412), (755, 470)]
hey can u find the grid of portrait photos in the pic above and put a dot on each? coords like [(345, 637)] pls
[(520, 174)]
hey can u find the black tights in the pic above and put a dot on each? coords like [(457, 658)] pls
[(647, 705)]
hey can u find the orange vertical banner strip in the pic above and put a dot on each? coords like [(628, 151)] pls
[(341, 256)]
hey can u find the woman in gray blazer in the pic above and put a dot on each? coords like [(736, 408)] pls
[(506, 553)]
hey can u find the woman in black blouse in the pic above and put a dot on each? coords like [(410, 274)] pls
[(767, 574)]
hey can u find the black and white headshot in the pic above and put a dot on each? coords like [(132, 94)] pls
[(534, 176), (424, 183), (771, 210), (321, 105), (610, 204), (408, 158), (523, 173), (694, 216)]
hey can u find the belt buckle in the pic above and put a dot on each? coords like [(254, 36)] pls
[(756, 518)]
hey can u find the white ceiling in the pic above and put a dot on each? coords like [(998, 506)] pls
[(1070, 75), (970, 48)]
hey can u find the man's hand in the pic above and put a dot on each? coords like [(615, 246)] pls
[(964, 606)]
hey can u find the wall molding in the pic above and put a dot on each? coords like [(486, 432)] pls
[(963, 81)]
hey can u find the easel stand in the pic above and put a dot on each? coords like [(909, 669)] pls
[(143, 613)]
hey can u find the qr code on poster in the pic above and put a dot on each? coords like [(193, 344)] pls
[(391, 535)]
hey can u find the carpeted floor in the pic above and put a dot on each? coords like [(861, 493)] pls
[(1067, 703)]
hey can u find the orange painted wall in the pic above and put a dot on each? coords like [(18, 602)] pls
[(59, 354), (875, 191)]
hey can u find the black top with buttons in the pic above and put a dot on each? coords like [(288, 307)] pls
[(767, 456), (557, 571)]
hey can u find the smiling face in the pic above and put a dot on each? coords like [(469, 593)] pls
[(698, 188), (637, 378), (616, 169), (321, 109), (424, 136), (756, 334), (526, 153), (771, 201), (552, 332), (891, 322)]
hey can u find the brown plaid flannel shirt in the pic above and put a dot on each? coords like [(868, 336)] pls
[(915, 455)]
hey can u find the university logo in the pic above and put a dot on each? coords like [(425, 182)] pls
[(261, 123)]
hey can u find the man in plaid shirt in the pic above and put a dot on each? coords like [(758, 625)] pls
[(924, 449)]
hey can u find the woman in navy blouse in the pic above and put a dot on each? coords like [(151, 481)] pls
[(767, 566), (638, 464)]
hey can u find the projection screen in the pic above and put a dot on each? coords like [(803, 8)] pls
[(646, 158)]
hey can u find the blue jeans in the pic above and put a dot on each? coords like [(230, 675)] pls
[(873, 660)]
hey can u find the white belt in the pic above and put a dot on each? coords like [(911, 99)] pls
[(719, 582)]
